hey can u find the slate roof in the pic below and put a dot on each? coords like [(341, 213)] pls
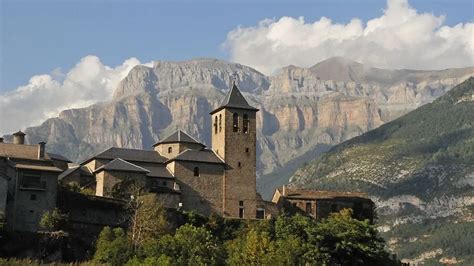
[(84, 171), (159, 171), (315, 194), (177, 137), (22, 151), (235, 99), (204, 156), (132, 155), (58, 157), (122, 165), (47, 168)]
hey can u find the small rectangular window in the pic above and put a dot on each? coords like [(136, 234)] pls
[(240, 164), (308, 207), (33, 197), (241, 203), (241, 213), (334, 208)]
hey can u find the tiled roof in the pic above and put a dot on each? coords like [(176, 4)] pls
[(177, 137), (235, 99), (315, 194), (122, 165), (204, 156), (131, 155)]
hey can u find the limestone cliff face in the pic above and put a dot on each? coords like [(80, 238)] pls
[(300, 108)]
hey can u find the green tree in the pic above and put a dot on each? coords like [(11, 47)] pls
[(190, 245), (343, 240), (113, 247), (148, 220), (253, 247), (53, 220)]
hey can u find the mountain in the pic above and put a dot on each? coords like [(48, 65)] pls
[(419, 169), (303, 111)]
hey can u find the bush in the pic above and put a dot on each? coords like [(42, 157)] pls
[(53, 220)]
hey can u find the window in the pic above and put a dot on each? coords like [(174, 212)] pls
[(246, 124), (235, 123), (241, 213), (32, 181), (240, 164), (164, 183), (334, 208), (247, 150), (196, 171), (260, 213), (170, 149), (33, 197), (241, 203), (308, 207), (215, 124), (220, 122)]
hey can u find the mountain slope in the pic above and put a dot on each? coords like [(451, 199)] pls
[(419, 167), (303, 111)]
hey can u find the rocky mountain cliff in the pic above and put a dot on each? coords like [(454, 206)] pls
[(303, 111), (420, 170)]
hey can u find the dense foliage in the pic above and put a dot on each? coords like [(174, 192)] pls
[(286, 240)]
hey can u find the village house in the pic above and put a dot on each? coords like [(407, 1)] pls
[(28, 182), (320, 204)]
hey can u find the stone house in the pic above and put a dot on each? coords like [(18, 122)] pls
[(186, 174), (31, 176), (320, 204)]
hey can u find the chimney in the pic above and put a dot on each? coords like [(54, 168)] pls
[(1, 140), (19, 138), (41, 150)]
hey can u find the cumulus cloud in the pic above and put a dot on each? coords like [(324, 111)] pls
[(45, 96), (400, 38)]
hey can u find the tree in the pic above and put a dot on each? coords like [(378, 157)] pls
[(190, 245), (113, 247), (53, 220), (343, 240), (148, 219), (253, 247)]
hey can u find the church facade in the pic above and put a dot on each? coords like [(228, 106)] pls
[(183, 172)]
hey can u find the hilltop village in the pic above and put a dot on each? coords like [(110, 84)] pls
[(184, 174)]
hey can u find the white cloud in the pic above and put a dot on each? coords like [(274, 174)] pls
[(45, 96), (400, 38)]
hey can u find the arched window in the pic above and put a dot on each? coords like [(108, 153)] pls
[(220, 122), (215, 124), (170, 149), (196, 171), (235, 123), (246, 124)]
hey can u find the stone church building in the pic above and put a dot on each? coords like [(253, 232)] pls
[(185, 173)]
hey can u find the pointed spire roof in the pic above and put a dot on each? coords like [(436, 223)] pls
[(235, 99), (178, 136)]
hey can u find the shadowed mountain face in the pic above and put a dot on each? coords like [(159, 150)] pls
[(302, 110), (420, 170)]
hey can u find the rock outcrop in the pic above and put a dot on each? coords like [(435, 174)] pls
[(300, 108)]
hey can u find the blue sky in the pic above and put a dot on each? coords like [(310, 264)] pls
[(39, 36)]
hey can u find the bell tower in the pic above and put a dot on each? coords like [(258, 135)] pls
[(234, 140)]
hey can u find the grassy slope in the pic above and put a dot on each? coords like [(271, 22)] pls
[(409, 153)]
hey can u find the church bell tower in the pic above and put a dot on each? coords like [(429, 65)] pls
[(234, 140)]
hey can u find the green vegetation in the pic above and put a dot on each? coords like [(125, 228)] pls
[(296, 240), (53, 220), (405, 154), (456, 238)]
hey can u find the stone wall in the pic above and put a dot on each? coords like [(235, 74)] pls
[(202, 193)]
